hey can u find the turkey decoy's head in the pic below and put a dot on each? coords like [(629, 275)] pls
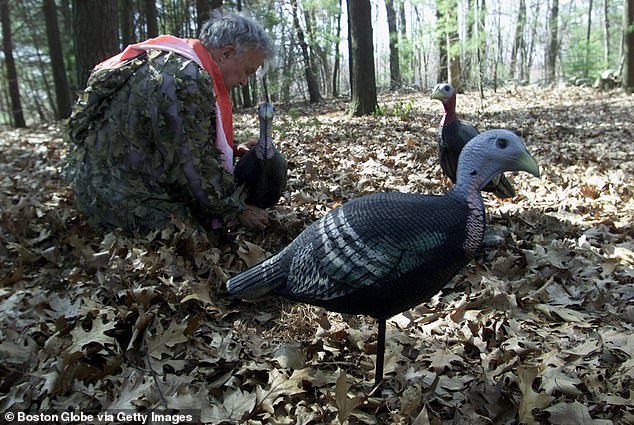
[(493, 152), (266, 111), (443, 92)]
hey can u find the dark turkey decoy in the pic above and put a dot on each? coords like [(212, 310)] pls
[(453, 134), (385, 253), (262, 170)]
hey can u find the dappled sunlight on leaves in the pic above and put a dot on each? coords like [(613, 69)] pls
[(537, 329)]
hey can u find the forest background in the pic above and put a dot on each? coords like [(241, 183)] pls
[(49, 46), (536, 330)]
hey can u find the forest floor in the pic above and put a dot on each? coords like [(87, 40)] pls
[(539, 329)]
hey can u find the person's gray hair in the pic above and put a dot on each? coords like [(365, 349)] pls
[(243, 33)]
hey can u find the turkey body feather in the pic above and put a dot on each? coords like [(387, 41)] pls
[(346, 262), (452, 138)]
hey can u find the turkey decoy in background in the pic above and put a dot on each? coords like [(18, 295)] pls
[(385, 253), (263, 168), (453, 134)]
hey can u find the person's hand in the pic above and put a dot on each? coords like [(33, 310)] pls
[(245, 147), (254, 217)]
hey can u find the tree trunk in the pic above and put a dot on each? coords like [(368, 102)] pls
[(62, 90), (30, 18), (203, 9), (395, 69), (405, 54), (68, 42), (497, 60), (311, 79), (151, 18), (350, 58), (628, 45), (441, 40), (453, 45), (471, 43), (12, 75), (364, 101), (481, 22), (318, 56), (553, 45), (533, 37), (518, 43), (335, 68), (126, 19), (606, 22), (586, 71), (95, 34)]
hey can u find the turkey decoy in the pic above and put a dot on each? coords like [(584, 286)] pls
[(262, 170), (453, 134), (385, 253)]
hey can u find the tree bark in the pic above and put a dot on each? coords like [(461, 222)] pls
[(532, 41), (311, 79), (62, 90), (12, 75), (151, 18), (606, 26), (335, 68), (586, 70), (517, 54), (481, 22), (395, 69), (126, 19), (405, 55), (95, 34), (203, 9), (441, 40), (364, 100), (628, 45), (453, 45), (553, 43)]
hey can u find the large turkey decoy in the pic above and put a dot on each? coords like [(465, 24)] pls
[(385, 253), (453, 134), (262, 170)]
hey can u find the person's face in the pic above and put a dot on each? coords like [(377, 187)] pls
[(236, 68)]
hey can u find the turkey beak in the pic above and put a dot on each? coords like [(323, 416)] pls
[(527, 163)]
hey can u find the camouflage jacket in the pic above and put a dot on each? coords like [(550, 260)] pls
[(143, 146)]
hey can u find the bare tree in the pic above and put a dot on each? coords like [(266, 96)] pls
[(553, 44), (151, 18), (364, 100), (532, 39), (62, 90), (395, 69), (335, 68), (453, 45), (126, 20), (586, 70), (311, 80), (519, 44), (12, 75), (203, 9), (628, 45), (96, 35), (481, 27), (606, 27), (441, 41)]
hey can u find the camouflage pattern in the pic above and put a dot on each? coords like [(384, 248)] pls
[(143, 147)]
